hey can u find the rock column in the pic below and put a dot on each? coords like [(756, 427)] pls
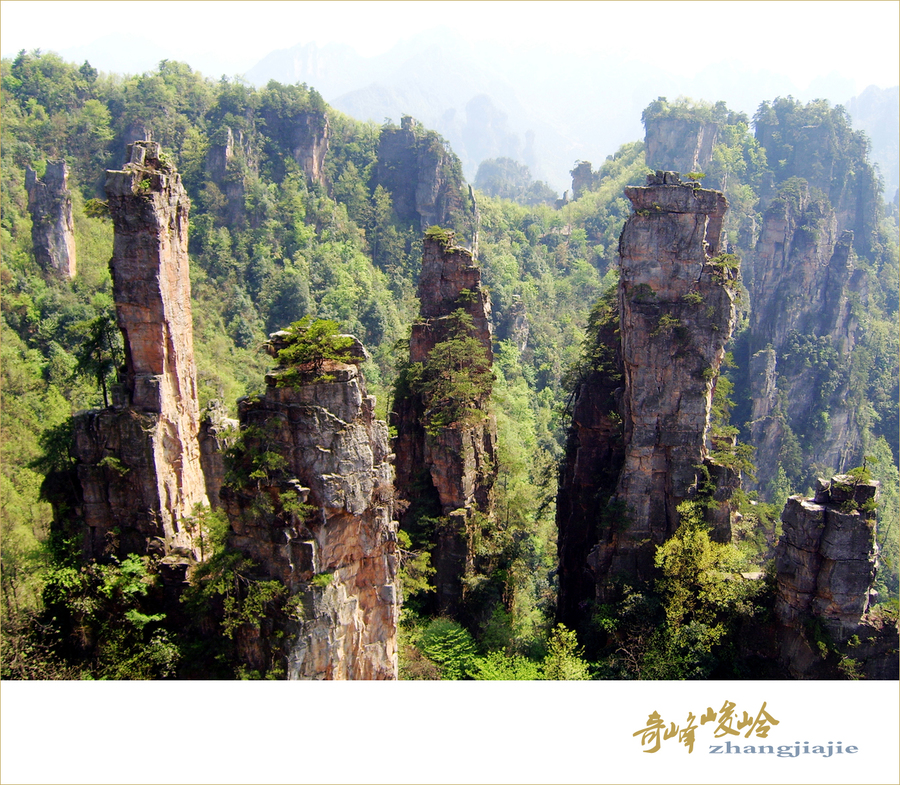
[(52, 222), (320, 519), (455, 468), (139, 461), (826, 563), (677, 312), (639, 444)]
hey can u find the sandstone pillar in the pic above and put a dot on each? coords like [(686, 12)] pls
[(139, 461), (321, 521), (52, 222), (447, 472), (677, 312), (826, 563)]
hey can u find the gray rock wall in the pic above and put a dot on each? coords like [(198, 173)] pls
[(337, 556), (52, 222)]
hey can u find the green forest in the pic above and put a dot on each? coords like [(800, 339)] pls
[(330, 242)]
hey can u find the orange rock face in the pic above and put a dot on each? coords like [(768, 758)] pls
[(142, 484)]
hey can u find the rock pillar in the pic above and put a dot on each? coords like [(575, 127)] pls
[(826, 563), (139, 460), (641, 416), (677, 312), (52, 223), (319, 519), (447, 472)]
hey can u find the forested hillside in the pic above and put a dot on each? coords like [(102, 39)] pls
[(299, 212)]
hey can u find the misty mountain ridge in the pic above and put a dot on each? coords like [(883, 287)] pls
[(580, 107)]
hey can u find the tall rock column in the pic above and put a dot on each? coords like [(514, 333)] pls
[(424, 178), (52, 223), (447, 470), (640, 438), (319, 518), (680, 143), (139, 460)]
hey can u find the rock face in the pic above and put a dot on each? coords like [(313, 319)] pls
[(826, 562), (217, 433), (304, 135), (595, 453), (52, 224), (682, 144), (234, 154), (804, 284), (677, 313), (641, 419), (228, 154), (139, 461), (449, 472), (322, 524), (583, 179), (424, 178)]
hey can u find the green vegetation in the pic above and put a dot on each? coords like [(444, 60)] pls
[(456, 380), (503, 178), (274, 247), (309, 345)]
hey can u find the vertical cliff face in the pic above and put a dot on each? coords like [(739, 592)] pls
[(304, 135), (677, 311), (234, 154), (583, 179), (139, 461), (320, 521), (804, 284), (641, 418), (682, 144), (309, 144), (52, 224), (595, 453), (424, 178), (826, 562), (446, 463), (218, 432), (228, 154)]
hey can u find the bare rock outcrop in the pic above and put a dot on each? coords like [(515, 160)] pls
[(139, 461), (677, 312), (424, 178), (641, 418), (452, 468), (682, 144), (218, 432), (52, 223), (320, 520), (805, 282), (826, 563), (584, 179)]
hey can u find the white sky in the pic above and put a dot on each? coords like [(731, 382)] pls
[(803, 40)]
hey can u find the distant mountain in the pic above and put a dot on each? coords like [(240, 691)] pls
[(444, 82), (877, 112), (528, 104), (537, 107)]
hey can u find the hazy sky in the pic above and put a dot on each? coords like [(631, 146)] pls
[(802, 40)]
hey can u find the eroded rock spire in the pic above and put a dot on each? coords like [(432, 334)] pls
[(640, 436), (446, 435), (52, 222), (139, 460)]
